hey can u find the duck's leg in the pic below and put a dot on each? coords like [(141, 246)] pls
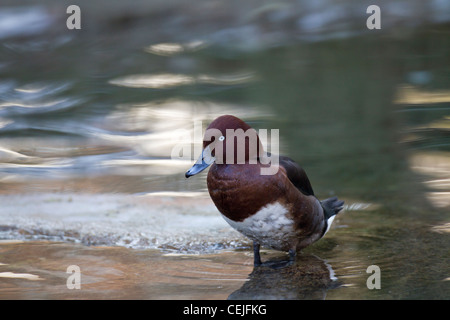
[(292, 254), (256, 255)]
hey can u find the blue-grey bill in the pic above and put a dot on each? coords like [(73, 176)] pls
[(197, 168)]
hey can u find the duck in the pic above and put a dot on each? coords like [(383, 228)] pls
[(277, 208)]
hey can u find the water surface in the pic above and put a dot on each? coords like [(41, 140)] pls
[(92, 122)]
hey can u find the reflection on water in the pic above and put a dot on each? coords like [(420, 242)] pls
[(308, 278), (436, 167), (410, 95), (15, 21), (90, 121), (35, 98), (168, 49), (163, 81), (115, 273)]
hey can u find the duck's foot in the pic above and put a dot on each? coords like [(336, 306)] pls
[(275, 264)]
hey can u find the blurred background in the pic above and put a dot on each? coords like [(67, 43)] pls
[(365, 112)]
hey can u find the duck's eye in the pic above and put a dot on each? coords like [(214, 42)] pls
[(221, 138)]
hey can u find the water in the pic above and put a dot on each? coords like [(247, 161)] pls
[(89, 120)]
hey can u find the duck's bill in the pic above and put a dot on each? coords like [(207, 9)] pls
[(203, 162), (196, 168)]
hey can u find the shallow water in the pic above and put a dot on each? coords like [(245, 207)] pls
[(98, 126)]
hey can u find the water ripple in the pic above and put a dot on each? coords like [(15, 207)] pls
[(36, 98), (168, 80)]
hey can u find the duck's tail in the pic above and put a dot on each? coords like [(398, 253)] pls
[(332, 206)]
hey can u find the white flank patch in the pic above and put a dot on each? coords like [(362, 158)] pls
[(329, 222), (270, 226)]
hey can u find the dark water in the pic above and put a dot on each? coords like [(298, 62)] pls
[(90, 119)]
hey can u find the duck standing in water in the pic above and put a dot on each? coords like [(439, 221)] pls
[(274, 208)]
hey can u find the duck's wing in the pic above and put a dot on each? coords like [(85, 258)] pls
[(296, 175)]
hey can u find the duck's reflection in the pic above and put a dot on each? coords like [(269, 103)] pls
[(309, 277)]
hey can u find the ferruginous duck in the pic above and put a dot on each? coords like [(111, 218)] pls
[(274, 208)]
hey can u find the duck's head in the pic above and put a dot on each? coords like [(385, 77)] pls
[(228, 140)]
